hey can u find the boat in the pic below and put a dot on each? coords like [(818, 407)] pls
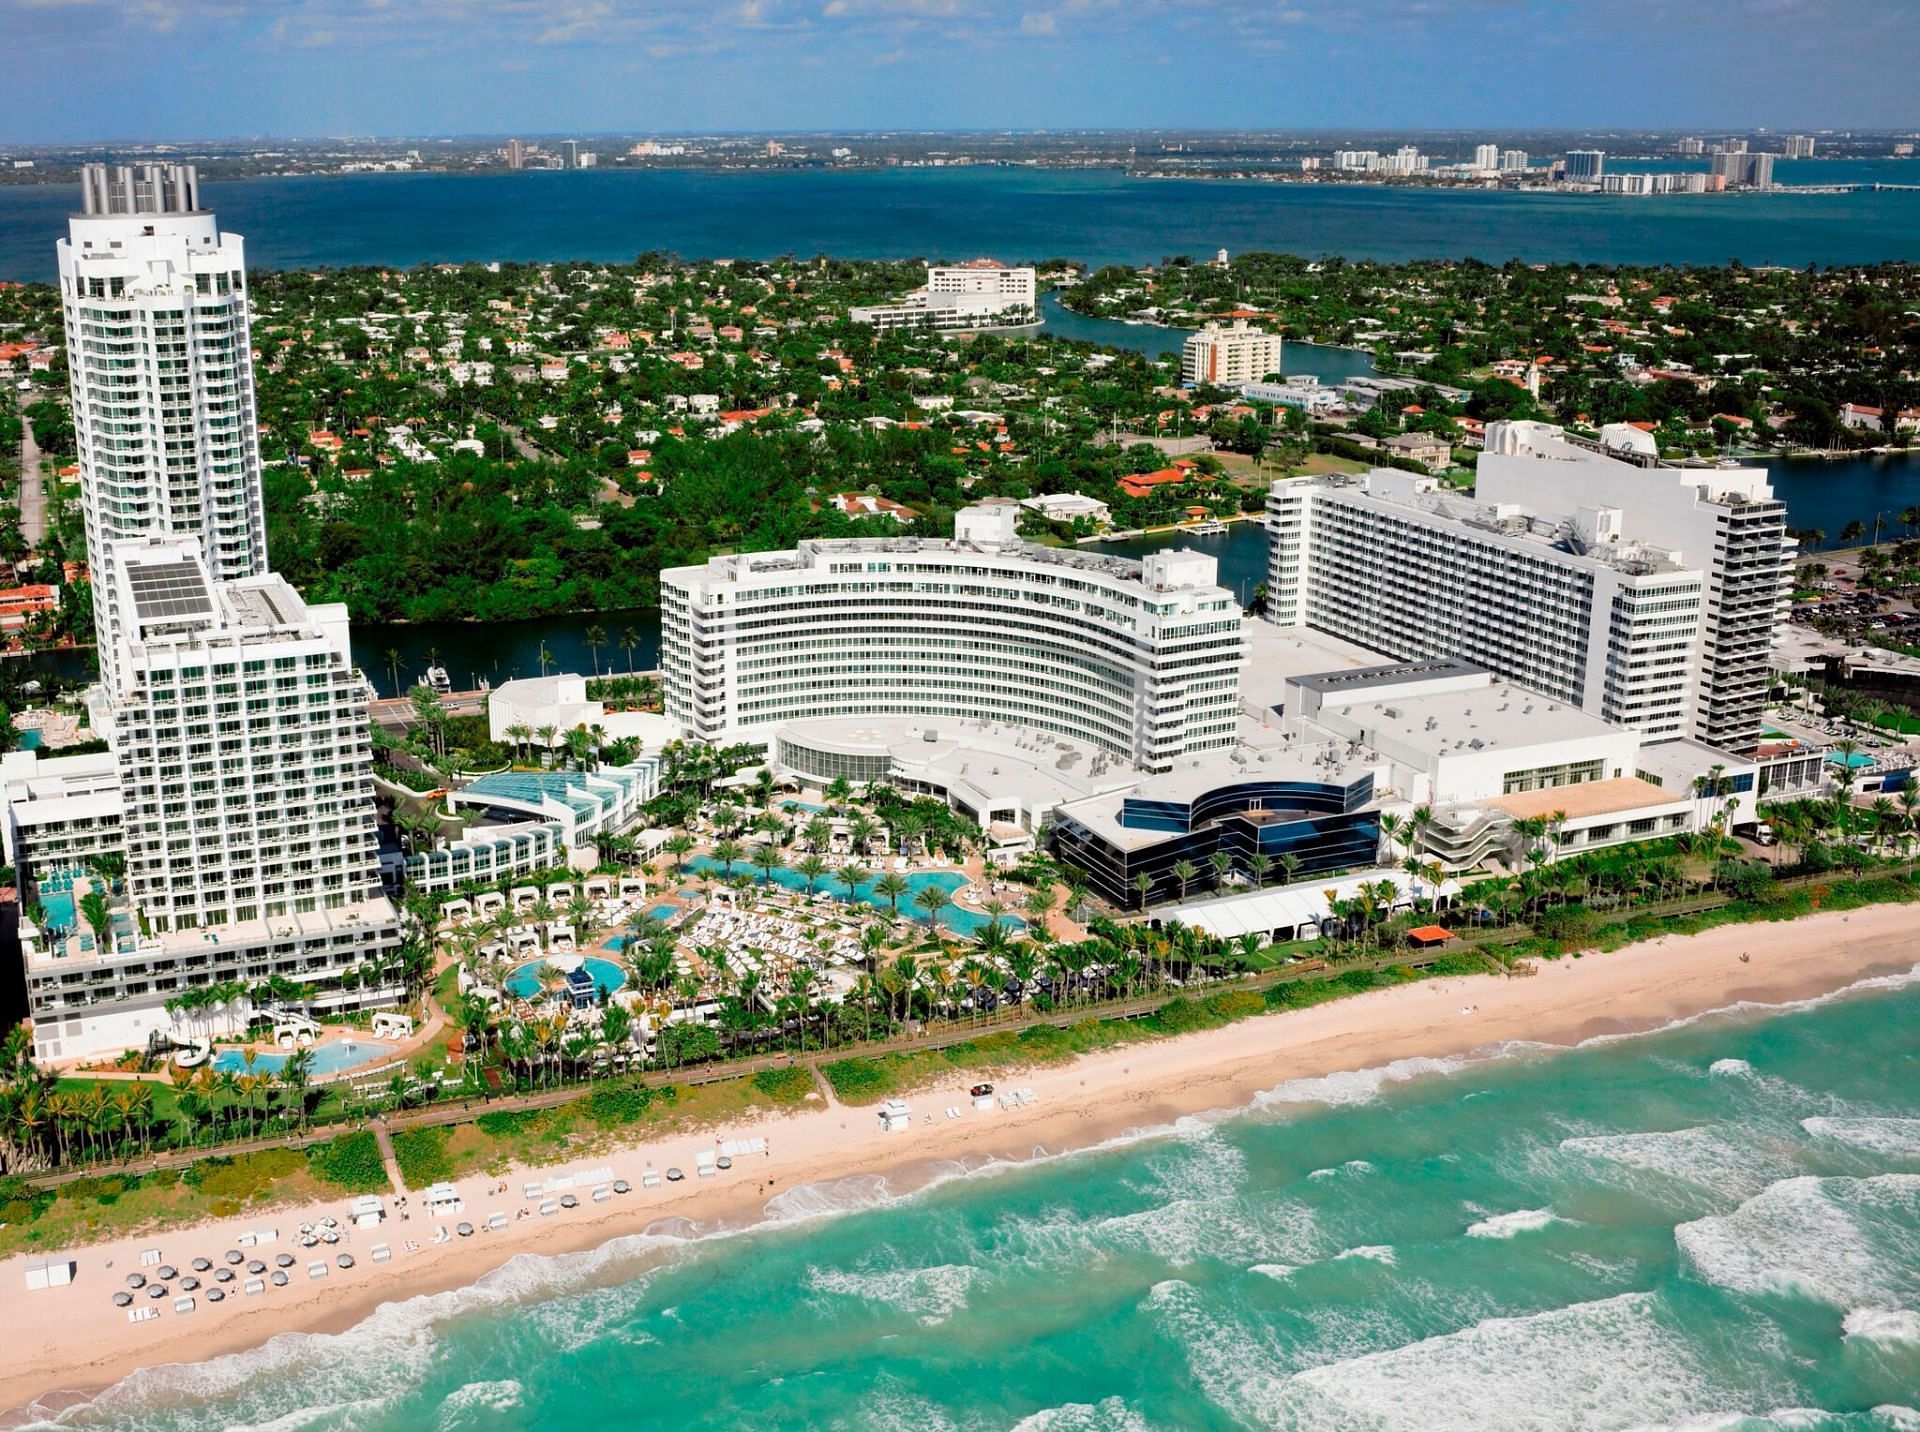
[(1207, 529), (438, 679)]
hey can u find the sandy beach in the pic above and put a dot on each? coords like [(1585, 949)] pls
[(58, 1344)]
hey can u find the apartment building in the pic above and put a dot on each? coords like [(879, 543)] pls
[(1228, 355), (981, 294)]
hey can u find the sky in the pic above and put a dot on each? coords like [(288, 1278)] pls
[(151, 70)]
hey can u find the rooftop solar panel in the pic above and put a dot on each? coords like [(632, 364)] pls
[(174, 591)]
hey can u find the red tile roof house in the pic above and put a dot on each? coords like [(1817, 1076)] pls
[(860, 504), (19, 605), (1859, 415), (1139, 484)]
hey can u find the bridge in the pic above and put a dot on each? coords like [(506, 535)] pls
[(397, 712)]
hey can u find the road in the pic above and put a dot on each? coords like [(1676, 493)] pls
[(33, 489), (397, 711)]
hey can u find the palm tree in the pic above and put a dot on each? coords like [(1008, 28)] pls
[(853, 877), (679, 845), (294, 1077), (1143, 885), (810, 867), (766, 858), (520, 731), (596, 638), (728, 853), (546, 658), (1222, 863), (1261, 864), (629, 638), (892, 885), (546, 734), (1289, 864), (1184, 871), (933, 899)]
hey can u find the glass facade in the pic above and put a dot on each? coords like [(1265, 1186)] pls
[(1326, 827)]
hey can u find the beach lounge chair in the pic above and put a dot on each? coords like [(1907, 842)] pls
[(497, 1221), (381, 1253), (142, 1314), (549, 1207), (650, 1179), (184, 1305), (703, 1163), (603, 1193), (952, 1113), (255, 1286), (1025, 1096), (318, 1268)]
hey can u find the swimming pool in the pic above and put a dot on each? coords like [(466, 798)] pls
[(805, 806), (1852, 762), (960, 920), (524, 982), (333, 1057)]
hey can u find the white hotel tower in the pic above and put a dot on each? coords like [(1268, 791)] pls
[(239, 788), (162, 375), (1644, 594), (1140, 660)]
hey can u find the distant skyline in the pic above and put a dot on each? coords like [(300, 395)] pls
[(146, 70)]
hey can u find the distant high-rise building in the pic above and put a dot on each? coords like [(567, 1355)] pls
[(1513, 160), (1744, 171), (1731, 146), (167, 439), (572, 147), (1585, 163), (1486, 156), (516, 154), (1799, 146), (1691, 147)]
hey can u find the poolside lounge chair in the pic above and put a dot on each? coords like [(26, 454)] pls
[(650, 1179)]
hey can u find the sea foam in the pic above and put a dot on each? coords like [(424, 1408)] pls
[(1507, 1225)]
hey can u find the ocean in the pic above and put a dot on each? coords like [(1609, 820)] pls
[(1097, 216), (1712, 1226)]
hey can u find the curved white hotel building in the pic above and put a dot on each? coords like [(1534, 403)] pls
[(1140, 660)]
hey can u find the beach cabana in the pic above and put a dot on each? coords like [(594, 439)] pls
[(53, 1270), (442, 1198), (1427, 937), (366, 1211), (581, 990)]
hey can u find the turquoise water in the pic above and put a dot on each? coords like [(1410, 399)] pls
[(1714, 1226), (1852, 762), (524, 981), (328, 1058), (954, 917)]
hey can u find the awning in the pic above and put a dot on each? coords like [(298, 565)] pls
[(1430, 935)]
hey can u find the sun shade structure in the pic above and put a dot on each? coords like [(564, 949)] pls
[(1427, 935)]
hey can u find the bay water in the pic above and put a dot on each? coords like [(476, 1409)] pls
[(1715, 1225)]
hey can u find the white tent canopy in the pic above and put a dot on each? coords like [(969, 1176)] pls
[(1292, 906)]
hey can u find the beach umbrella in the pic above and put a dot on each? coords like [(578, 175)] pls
[(280, 1279), (465, 1230), (256, 1267), (620, 1185), (136, 1280), (567, 1200), (233, 1255), (189, 1285), (225, 1275), (214, 1295), (345, 1260), (166, 1272), (284, 1260), (157, 1290), (122, 1300), (200, 1265)]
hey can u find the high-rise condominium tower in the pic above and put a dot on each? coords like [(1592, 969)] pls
[(162, 379)]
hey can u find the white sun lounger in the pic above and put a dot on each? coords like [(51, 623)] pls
[(149, 1257), (184, 1305), (499, 1220), (1025, 1096), (143, 1314), (952, 1112), (255, 1286), (603, 1193), (549, 1208), (381, 1253), (317, 1268), (650, 1179)]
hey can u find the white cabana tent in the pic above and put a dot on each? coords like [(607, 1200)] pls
[(1298, 909), (49, 1270)]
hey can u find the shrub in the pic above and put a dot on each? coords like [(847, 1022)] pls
[(1567, 925), (858, 1081), (1179, 1016), (350, 1161), (611, 1105), (784, 1086), (243, 1178), (422, 1156), (506, 1123)]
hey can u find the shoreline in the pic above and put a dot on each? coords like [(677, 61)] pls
[(1388, 1036)]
